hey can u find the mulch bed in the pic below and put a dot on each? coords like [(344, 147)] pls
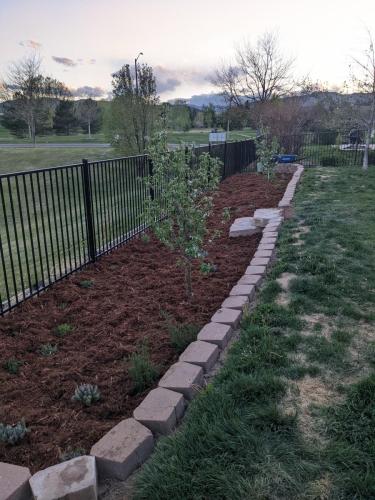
[(132, 287)]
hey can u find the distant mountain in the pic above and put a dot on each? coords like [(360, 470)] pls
[(202, 100)]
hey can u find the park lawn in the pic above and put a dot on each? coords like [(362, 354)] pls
[(291, 413), (200, 136), (16, 159)]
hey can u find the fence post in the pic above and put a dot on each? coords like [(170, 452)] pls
[(150, 173), (88, 210), (225, 160)]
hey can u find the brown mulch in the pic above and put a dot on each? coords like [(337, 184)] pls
[(131, 289)]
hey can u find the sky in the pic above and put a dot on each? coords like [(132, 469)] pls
[(82, 42)]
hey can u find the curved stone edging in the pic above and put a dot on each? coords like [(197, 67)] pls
[(129, 444)]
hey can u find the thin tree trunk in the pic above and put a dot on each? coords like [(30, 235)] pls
[(365, 153), (89, 125)]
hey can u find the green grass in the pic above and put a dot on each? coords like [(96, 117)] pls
[(17, 159), (7, 138), (200, 136), (238, 439)]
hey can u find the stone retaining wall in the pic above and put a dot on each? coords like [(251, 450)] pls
[(125, 447)]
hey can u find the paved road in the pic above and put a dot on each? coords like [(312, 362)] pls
[(58, 145)]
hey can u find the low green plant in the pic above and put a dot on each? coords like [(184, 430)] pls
[(86, 283), (182, 335), (13, 434), (63, 329), (70, 453), (48, 349), (86, 394), (145, 238), (207, 268), (12, 366), (142, 370), (226, 214)]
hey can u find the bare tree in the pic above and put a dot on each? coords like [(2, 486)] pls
[(87, 111), (261, 72), (31, 92), (363, 75)]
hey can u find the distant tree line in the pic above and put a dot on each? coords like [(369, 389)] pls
[(35, 104)]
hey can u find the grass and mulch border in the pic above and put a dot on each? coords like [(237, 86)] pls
[(291, 413), (117, 325)]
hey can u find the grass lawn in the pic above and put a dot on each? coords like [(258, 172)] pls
[(14, 160), (291, 413), (200, 136)]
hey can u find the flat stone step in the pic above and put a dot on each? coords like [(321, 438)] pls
[(262, 216), (243, 226)]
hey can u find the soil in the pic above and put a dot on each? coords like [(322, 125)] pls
[(123, 308)]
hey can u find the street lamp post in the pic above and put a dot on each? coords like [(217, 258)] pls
[(136, 71)]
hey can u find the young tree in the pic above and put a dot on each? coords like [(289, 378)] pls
[(363, 75), (267, 148), (186, 197), (261, 73), (133, 110), (32, 93), (209, 116), (88, 113)]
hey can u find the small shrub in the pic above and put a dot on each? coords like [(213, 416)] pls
[(13, 434), (86, 283), (12, 366), (141, 370), (48, 349), (330, 161), (182, 335), (62, 305), (86, 394), (71, 453), (207, 268), (63, 329), (226, 214), (145, 238)]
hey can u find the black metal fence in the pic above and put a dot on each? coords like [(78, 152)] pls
[(328, 148), (54, 221)]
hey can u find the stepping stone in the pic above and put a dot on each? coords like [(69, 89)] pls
[(201, 353), (74, 479), (184, 378), (243, 226), (263, 215), (235, 302), (160, 410), (14, 482), (123, 449), (257, 262), (227, 316), (252, 269), (216, 333), (243, 289), (250, 279)]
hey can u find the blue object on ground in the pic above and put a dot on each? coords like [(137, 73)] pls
[(287, 158)]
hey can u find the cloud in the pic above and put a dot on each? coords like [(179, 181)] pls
[(30, 44), (92, 61), (169, 79), (65, 61), (87, 91)]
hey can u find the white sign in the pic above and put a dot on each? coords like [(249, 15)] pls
[(217, 137)]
